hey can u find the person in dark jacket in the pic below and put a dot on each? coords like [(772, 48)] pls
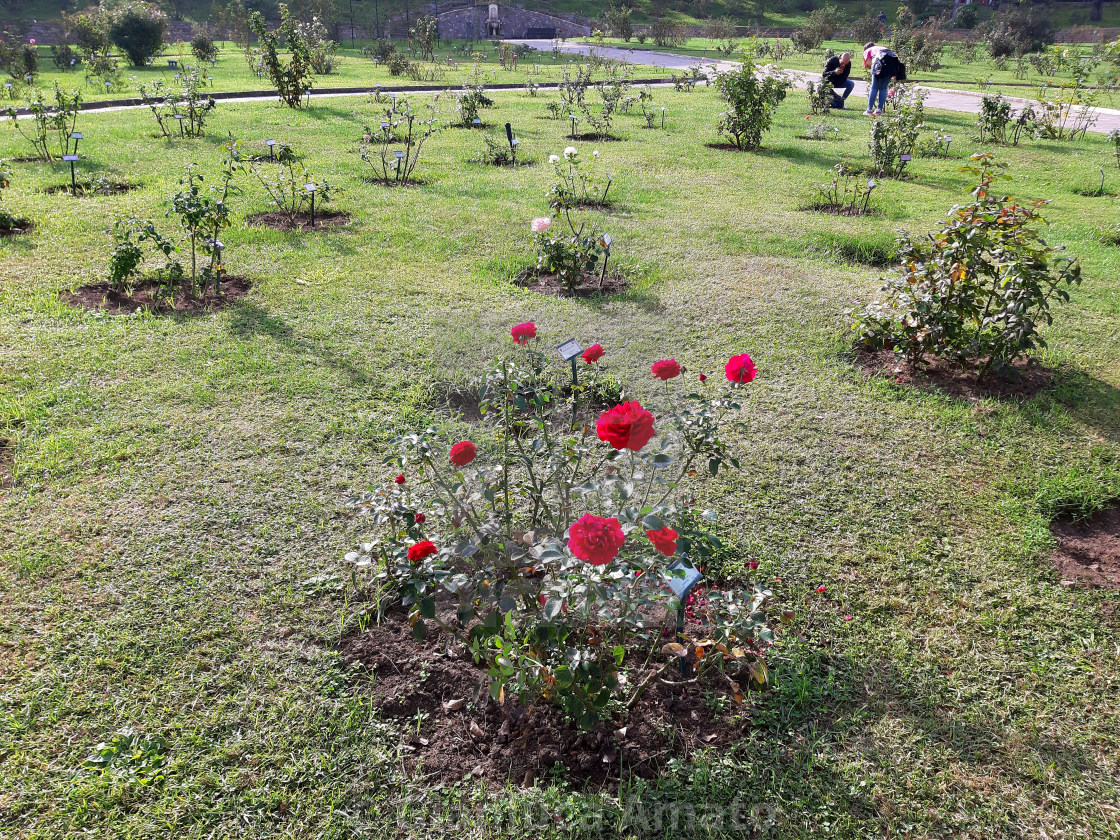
[(836, 71)]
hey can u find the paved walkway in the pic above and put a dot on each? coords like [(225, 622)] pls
[(964, 101)]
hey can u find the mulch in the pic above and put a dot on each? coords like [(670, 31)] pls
[(1089, 550), (84, 190), (153, 296), (588, 287), (21, 226), (280, 221), (956, 381), (464, 734)]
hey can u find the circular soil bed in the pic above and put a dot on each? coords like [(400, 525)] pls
[(841, 210), (588, 286), (954, 380), (281, 221), (89, 190), (20, 226), (1089, 550), (153, 296), (465, 734)]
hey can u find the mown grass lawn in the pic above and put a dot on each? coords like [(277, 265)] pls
[(179, 490), (233, 71)]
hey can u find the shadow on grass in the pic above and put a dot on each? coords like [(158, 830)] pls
[(1090, 401), (248, 320)]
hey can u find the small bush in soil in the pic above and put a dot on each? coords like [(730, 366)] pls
[(286, 183), (555, 545), (185, 100), (936, 145), (52, 123), (203, 47), (895, 133), (994, 118), (7, 220), (847, 193), (204, 215), (18, 60), (578, 181), (126, 261), (752, 97), (820, 97), (978, 292), (321, 49), (569, 254), (392, 147), (498, 151), (472, 98), (293, 78)]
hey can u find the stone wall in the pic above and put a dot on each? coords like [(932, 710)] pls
[(471, 23)]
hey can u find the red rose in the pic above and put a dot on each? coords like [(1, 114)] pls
[(754, 565), (595, 539), (666, 369), (822, 589), (462, 453), (523, 332), (422, 549), (593, 353), (626, 426), (664, 540), (703, 378), (740, 368), (420, 519), (399, 479)]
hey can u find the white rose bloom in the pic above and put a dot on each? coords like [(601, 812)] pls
[(568, 152), (595, 153), (553, 158)]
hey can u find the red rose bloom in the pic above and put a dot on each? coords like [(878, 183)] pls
[(420, 519), (523, 332), (666, 369), (422, 549), (740, 368), (664, 540), (399, 479), (595, 539), (626, 426), (703, 378), (593, 353), (462, 453)]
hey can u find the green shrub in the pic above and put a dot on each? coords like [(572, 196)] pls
[(752, 97), (894, 134), (292, 79), (139, 30), (203, 47), (975, 292)]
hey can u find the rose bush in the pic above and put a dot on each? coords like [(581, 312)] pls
[(550, 545)]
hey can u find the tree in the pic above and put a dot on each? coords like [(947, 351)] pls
[(139, 30)]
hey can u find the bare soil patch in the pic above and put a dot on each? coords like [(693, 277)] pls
[(588, 286), (955, 380), (154, 296), (1089, 550), (88, 189), (20, 226), (281, 221), (840, 210), (464, 734)]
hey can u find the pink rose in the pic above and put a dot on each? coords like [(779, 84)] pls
[(523, 332), (740, 369), (666, 369), (540, 225)]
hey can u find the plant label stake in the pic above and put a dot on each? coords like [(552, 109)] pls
[(73, 178), (682, 584), (76, 136), (572, 117), (569, 351), (180, 118), (509, 137), (662, 117), (271, 149), (311, 189), (905, 159), (476, 121), (605, 244)]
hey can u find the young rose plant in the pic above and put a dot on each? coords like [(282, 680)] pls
[(553, 542)]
